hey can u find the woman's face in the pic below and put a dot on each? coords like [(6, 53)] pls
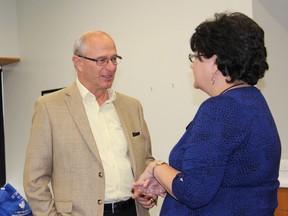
[(203, 70)]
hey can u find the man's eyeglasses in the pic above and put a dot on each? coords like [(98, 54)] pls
[(193, 57), (104, 61)]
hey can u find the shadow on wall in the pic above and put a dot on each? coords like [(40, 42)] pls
[(278, 9)]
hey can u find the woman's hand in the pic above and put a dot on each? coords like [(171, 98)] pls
[(149, 187)]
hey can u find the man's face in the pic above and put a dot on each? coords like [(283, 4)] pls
[(91, 75)]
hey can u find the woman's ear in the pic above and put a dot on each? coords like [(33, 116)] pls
[(214, 68)]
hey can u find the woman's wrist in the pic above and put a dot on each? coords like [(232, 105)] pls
[(156, 164)]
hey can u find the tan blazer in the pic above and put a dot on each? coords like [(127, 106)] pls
[(62, 150)]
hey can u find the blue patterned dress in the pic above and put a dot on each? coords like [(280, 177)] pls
[(229, 159)]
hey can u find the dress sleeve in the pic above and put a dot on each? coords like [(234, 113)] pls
[(217, 129)]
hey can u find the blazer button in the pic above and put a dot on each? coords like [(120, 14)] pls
[(100, 174), (99, 202)]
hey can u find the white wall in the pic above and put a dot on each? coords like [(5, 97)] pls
[(153, 38), (9, 46)]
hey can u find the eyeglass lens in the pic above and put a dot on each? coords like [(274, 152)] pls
[(191, 57), (104, 61)]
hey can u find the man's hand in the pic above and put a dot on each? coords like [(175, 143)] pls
[(146, 201)]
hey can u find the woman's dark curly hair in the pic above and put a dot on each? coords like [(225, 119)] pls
[(238, 43)]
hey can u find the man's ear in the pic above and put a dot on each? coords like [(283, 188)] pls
[(77, 62)]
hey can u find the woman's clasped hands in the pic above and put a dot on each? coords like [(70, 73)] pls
[(148, 185)]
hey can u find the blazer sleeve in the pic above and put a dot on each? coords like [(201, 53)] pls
[(145, 130), (38, 163)]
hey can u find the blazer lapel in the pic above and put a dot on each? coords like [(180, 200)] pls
[(125, 121), (76, 107)]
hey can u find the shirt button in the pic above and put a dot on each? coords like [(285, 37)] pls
[(99, 202), (100, 174)]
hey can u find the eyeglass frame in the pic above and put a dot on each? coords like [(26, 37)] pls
[(191, 56), (114, 62)]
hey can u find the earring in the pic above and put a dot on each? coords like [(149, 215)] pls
[(213, 79)]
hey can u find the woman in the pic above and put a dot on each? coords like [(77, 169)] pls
[(227, 162)]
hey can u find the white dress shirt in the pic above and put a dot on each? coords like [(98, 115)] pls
[(112, 144)]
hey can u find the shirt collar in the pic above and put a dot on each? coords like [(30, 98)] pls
[(84, 92)]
